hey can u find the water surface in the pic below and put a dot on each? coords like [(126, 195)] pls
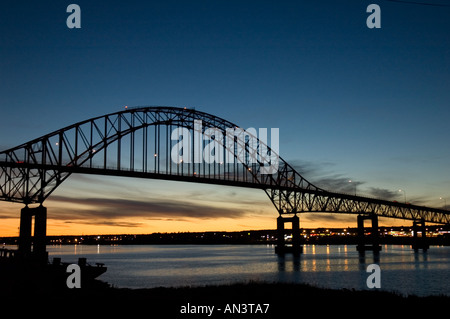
[(335, 266)]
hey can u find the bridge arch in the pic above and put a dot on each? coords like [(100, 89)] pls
[(135, 142), (33, 170)]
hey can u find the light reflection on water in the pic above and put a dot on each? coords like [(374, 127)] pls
[(333, 266)]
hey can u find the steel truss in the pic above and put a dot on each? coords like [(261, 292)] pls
[(136, 142)]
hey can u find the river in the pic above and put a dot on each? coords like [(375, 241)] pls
[(402, 270)]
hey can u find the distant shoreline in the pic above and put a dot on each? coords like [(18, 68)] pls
[(174, 243), (399, 235)]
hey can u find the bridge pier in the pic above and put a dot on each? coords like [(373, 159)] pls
[(281, 247), (420, 242), (33, 247), (373, 243)]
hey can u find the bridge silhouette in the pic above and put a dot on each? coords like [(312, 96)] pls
[(136, 142)]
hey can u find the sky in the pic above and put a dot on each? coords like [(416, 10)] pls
[(370, 105)]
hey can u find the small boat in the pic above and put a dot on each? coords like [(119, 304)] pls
[(16, 270)]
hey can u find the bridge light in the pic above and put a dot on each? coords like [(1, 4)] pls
[(56, 143), (156, 154)]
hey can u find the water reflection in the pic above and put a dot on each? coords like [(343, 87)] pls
[(295, 260), (281, 263), (368, 257), (334, 266), (328, 261), (420, 259)]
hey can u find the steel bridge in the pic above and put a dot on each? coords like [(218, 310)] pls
[(137, 142)]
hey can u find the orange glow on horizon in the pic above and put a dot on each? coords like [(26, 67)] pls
[(9, 227), (150, 207)]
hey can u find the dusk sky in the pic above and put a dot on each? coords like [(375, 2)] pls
[(351, 103)]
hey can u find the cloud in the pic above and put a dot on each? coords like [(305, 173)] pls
[(339, 183), (383, 193), (118, 208), (9, 215), (309, 169), (108, 223), (322, 175), (326, 219)]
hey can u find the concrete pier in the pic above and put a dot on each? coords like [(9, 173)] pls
[(33, 247), (371, 243), (282, 247), (420, 242)]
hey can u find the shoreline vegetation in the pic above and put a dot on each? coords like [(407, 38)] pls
[(283, 298)]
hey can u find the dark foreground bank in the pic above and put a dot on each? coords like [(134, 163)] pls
[(249, 300)]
